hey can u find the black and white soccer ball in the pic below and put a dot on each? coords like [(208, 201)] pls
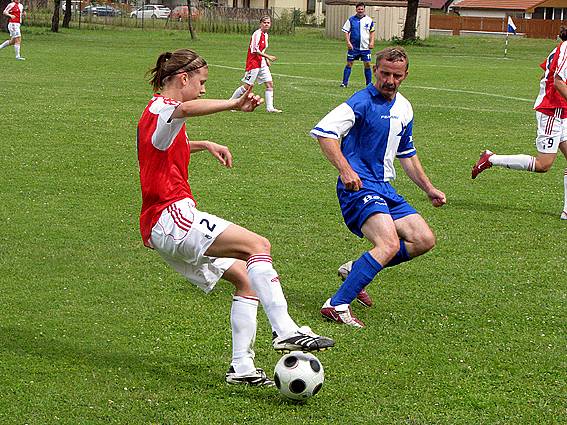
[(299, 375)]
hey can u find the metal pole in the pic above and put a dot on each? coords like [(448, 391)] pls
[(506, 46)]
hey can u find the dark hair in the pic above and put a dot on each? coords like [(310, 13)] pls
[(265, 17), (393, 54), (563, 33), (169, 64), (360, 4)]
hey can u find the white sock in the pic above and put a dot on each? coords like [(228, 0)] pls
[(266, 283), (17, 49), (269, 99), (6, 43), (243, 323), (238, 92), (565, 188), (515, 162)]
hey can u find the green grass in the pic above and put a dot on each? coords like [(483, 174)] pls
[(94, 328)]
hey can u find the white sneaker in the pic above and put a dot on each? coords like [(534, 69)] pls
[(19, 58), (564, 215), (341, 315), (278, 111)]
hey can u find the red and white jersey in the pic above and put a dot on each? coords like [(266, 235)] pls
[(163, 156), (16, 9), (258, 43), (549, 98)]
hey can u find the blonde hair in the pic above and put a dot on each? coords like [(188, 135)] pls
[(393, 54), (173, 63)]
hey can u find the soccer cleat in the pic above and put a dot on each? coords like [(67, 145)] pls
[(341, 316), (363, 297), (343, 85), (257, 378), (303, 339), (482, 164), (277, 111), (564, 215), (19, 58)]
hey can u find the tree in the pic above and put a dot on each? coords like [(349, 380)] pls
[(3, 20), (189, 20), (55, 17), (411, 20), (67, 16)]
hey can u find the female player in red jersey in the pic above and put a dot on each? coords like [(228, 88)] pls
[(203, 247), (14, 11)]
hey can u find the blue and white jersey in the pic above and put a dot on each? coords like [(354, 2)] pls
[(374, 131), (359, 29)]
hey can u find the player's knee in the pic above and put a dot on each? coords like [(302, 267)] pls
[(261, 245), (426, 242), (542, 166), (389, 248)]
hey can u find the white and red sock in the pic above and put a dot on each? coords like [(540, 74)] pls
[(5, 44), (243, 323), (266, 283), (17, 49), (565, 190), (515, 162), (269, 99)]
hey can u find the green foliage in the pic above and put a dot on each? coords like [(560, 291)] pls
[(409, 42), (96, 329)]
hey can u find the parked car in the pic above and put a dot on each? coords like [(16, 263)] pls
[(151, 11), (181, 13), (103, 10)]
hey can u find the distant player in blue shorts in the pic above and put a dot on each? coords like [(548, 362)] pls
[(361, 137), (359, 35)]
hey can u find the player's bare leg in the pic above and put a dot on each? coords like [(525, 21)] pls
[(238, 242)]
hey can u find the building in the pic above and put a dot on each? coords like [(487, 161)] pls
[(528, 9)]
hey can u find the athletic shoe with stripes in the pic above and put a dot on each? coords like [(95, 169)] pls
[(341, 316), (482, 164), (257, 378), (564, 215), (363, 297), (304, 339)]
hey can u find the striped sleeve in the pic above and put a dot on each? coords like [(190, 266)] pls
[(561, 70), (336, 124), (167, 128), (255, 42), (346, 26)]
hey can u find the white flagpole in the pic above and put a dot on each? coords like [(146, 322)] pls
[(506, 46)]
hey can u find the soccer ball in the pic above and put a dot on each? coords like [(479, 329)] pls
[(299, 375)]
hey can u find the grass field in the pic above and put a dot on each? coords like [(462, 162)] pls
[(94, 328)]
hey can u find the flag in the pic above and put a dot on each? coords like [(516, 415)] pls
[(511, 26)]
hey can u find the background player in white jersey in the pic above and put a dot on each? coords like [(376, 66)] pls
[(360, 138), (359, 35), (258, 65), (15, 12), (551, 116), (203, 247)]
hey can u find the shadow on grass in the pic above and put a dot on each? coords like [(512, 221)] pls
[(470, 205), (56, 351)]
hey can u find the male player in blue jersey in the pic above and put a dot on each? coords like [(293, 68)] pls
[(375, 126), (359, 36)]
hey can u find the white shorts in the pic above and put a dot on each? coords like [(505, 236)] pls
[(14, 30), (182, 235), (258, 75), (551, 131)]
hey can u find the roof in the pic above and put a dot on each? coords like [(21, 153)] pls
[(437, 4), (498, 4)]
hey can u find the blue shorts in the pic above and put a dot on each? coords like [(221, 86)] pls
[(363, 55), (373, 198)]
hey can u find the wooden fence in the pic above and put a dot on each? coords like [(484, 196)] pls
[(532, 28)]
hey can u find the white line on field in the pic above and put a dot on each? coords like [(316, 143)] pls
[(409, 86)]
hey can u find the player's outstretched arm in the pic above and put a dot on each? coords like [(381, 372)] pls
[(198, 107), (412, 167), (220, 152)]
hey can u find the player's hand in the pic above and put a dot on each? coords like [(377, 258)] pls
[(271, 58), (349, 46), (437, 197), (221, 153), (248, 101), (351, 180)]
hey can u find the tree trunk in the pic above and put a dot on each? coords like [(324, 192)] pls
[(67, 16), (3, 19), (55, 17), (190, 23), (411, 20)]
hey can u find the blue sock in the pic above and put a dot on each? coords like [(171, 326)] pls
[(362, 273), (401, 256), (346, 75), (368, 75)]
